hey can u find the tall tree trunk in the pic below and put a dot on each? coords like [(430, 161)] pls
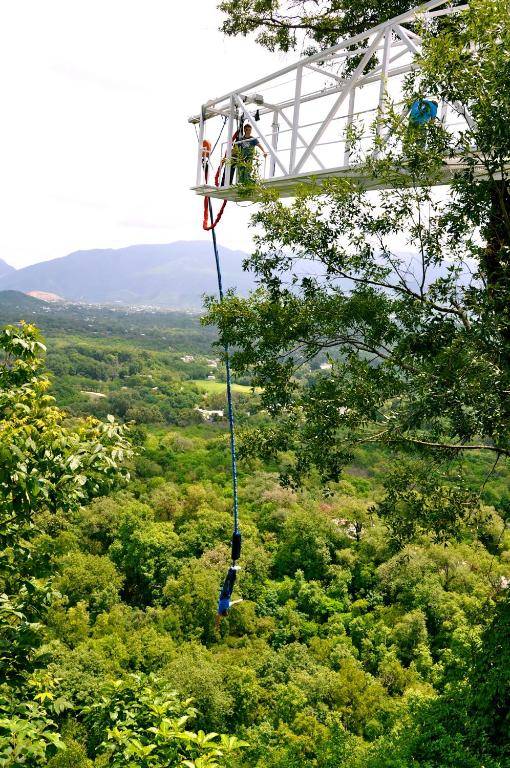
[(496, 262)]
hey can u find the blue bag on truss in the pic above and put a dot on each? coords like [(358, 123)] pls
[(423, 111)]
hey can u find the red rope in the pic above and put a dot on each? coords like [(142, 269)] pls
[(205, 222)]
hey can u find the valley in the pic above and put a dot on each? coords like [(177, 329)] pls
[(343, 627)]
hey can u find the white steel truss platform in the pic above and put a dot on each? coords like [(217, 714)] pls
[(302, 114), (286, 185)]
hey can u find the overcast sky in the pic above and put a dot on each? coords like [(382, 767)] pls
[(95, 147)]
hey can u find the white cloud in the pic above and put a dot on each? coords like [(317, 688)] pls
[(95, 147)]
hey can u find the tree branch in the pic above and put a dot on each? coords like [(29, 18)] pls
[(455, 447)]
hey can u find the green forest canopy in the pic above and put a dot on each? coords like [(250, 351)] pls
[(348, 647)]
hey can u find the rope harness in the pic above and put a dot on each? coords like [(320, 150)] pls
[(207, 203), (209, 224)]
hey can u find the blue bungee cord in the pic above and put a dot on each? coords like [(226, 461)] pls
[(224, 601)]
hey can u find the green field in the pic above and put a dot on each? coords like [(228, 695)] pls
[(217, 387)]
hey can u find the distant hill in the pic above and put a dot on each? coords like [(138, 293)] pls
[(10, 300), (173, 276), (5, 268)]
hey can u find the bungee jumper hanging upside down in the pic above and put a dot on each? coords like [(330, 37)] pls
[(225, 601)]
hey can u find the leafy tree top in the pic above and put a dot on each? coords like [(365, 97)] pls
[(315, 24), (47, 461)]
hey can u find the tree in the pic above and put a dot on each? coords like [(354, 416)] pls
[(284, 24), (468, 724), (308, 541), (47, 465), (465, 64), (89, 580), (418, 340), (141, 722), (27, 735), (144, 552)]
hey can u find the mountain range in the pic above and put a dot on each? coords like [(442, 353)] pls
[(5, 269), (171, 276)]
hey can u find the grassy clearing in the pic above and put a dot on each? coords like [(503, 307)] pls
[(217, 387)]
